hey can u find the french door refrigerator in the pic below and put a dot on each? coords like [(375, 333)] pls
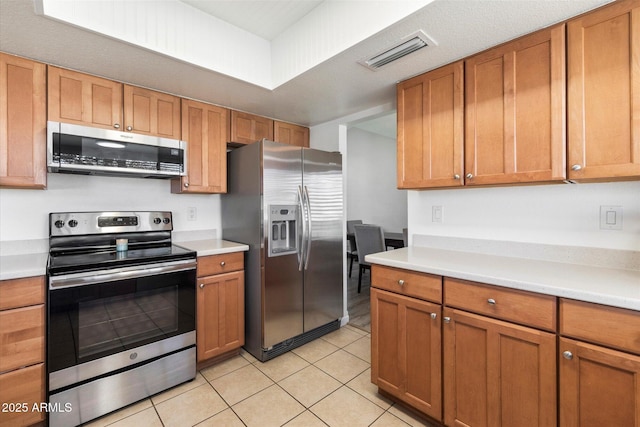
[(285, 202)]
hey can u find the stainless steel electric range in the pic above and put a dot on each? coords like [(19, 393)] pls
[(121, 311)]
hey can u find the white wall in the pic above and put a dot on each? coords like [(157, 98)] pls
[(24, 213), (561, 214), (371, 181)]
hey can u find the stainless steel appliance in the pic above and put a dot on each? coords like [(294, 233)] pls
[(285, 202), (95, 151), (121, 312)]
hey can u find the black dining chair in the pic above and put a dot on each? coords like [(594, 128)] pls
[(370, 240), (352, 253)]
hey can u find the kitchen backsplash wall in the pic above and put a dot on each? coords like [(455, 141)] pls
[(25, 213), (560, 214)]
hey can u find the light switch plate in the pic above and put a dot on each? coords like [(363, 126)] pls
[(436, 214), (611, 217)]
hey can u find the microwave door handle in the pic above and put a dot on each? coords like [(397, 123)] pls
[(301, 239), (308, 202)]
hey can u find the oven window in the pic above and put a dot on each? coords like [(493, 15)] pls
[(120, 321), (98, 320)]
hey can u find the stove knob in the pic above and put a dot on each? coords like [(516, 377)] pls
[(157, 220), (59, 223), (166, 220), (73, 223)]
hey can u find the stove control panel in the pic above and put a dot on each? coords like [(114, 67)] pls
[(81, 223)]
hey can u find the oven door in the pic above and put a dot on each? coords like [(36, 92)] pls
[(107, 320)]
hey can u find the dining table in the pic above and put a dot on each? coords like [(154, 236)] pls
[(392, 239)]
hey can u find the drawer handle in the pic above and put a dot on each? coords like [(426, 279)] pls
[(491, 301), (222, 263), (201, 285), (401, 282), (567, 355), (434, 316), (446, 319)]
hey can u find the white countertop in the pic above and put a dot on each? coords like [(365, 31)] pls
[(18, 266), (615, 287), (213, 246)]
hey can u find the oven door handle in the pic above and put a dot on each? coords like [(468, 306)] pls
[(95, 277)]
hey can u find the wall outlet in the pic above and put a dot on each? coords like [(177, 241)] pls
[(437, 214), (192, 214), (611, 217)]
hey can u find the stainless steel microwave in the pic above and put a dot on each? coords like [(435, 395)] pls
[(94, 151)]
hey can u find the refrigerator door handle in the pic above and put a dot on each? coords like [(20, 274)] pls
[(308, 254), (303, 238)]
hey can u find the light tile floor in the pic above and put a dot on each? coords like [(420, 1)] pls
[(323, 383)]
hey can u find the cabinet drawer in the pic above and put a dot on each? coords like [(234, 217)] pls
[(517, 306), (24, 387), (600, 324), (21, 337), (405, 282), (21, 292), (216, 264)]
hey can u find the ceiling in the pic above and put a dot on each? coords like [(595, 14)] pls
[(336, 88)]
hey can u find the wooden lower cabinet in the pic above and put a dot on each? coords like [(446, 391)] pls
[(406, 350), (20, 391), (220, 312), (497, 373)]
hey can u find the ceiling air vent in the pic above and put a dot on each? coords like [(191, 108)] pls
[(411, 43)]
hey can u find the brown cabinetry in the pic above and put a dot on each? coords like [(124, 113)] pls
[(604, 94), (22, 350), (23, 121), (220, 305), (515, 111), (248, 128), (599, 383), (84, 99), (205, 128), (406, 338), (431, 129), (291, 134)]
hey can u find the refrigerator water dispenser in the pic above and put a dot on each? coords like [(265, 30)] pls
[(283, 229)]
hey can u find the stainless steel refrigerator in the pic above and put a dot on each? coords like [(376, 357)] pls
[(285, 202)]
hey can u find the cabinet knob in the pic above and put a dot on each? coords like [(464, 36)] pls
[(186, 185), (446, 319), (491, 301), (116, 125), (400, 282), (567, 355), (456, 176), (129, 128), (201, 285), (434, 315), (222, 263), (469, 176), (576, 167)]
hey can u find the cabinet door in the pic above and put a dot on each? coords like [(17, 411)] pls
[(25, 387), (23, 123), (248, 128), (83, 99), (431, 129), (497, 373), (604, 93), (220, 314), (151, 113), (406, 350), (598, 386), (205, 128), (515, 111), (288, 133)]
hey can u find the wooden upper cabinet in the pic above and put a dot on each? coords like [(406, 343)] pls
[(23, 123), (84, 99), (248, 128), (604, 93), (431, 129), (291, 134), (515, 111), (205, 128), (151, 113)]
